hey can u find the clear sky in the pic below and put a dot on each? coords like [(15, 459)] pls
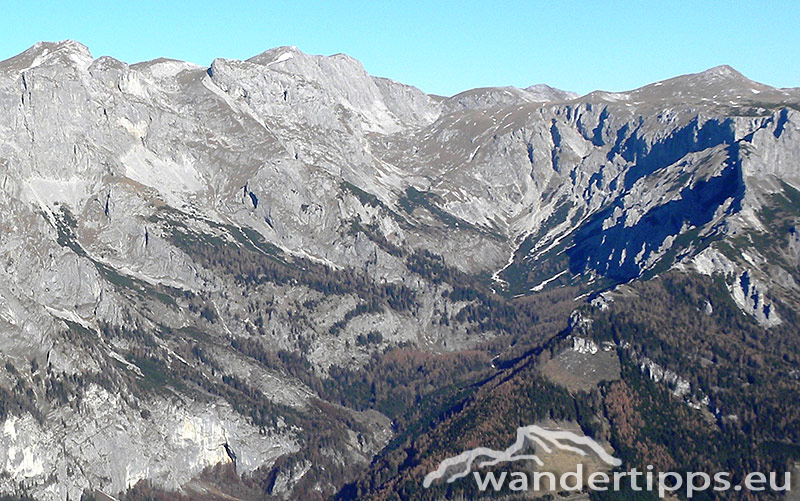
[(441, 47)]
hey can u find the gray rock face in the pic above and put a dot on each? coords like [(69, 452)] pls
[(495, 97), (118, 181)]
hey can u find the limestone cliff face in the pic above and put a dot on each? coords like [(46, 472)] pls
[(116, 177)]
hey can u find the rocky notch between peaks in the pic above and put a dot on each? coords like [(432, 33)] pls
[(194, 257)]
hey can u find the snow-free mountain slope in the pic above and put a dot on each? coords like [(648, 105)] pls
[(201, 262)]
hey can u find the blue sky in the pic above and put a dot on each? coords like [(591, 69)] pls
[(444, 47)]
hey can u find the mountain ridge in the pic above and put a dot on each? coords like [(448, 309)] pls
[(79, 49), (231, 258)]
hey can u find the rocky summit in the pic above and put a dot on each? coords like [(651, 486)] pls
[(267, 278)]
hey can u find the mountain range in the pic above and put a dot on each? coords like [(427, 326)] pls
[(285, 278)]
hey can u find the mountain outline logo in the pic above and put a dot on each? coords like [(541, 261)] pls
[(538, 435)]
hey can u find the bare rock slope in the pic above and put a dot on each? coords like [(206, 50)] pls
[(169, 230)]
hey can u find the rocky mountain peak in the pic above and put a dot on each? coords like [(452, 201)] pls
[(546, 93), (276, 54), (65, 52), (68, 47), (495, 97), (722, 72), (290, 59), (338, 84), (722, 77), (718, 84)]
